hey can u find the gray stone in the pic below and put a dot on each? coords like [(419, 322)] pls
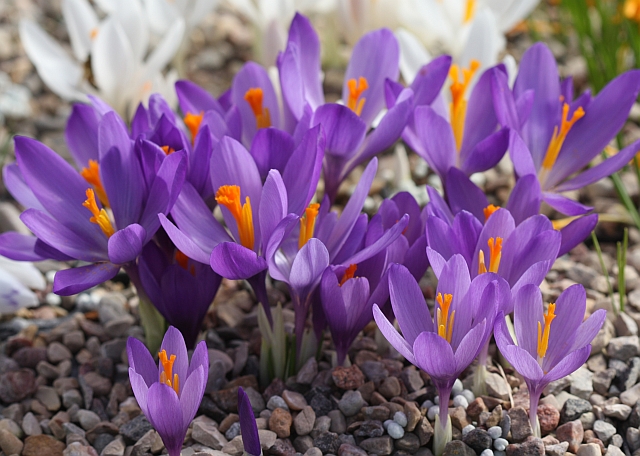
[(322, 425), (57, 352), (497, 386), (135, 429), (520, 424), (256, 399), (409, 442), (623, 348), (308, 372), (49, 398), (625, 325), (458, 448), (88, 419), (114, 448), (614, 451), (313, 451), (602, 380), (9, 443), (478, 440), (72, 397), (351, 403), (633, 438), (631, 396), (295, 401), (582, 383), (30, 425), (587, 420), (275, 402), (604, 430), (208, 434), (400, 418), (573, 408), (304, 421), (589, 449), (378, 445), (617, 411), (233, 431), (559, 449), (328, 443), (338, 422)]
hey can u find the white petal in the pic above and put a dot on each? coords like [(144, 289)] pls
[(413, 54), (484, 42), (133, 20), (200, 10), (512, 68), (166, 49), (58, 71), (113, 63), (161, 15), (81, 22), (249, 9), (14, 295), (25, 272)]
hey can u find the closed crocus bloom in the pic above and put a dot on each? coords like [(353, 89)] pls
[(561, 136), (447, 344), (248, 426), (168, 393), (549, 344), (17, 278)]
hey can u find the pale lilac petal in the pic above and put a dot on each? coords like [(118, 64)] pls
[(442, 367), (235, 262), (174, 344), (390, 333), (191, 393), (437, 142), (521, 156), (525, 198), (569, 364), (565, 205), (125, 245), (470, 346), (527, 315), (343, 128), (523, 362), (464, 195), (487, 153), (576, 232), (408, 303), (141, 361), (308, 265), (140, 389), (165, 414), (273, 204), (71, 281), (588, 330)]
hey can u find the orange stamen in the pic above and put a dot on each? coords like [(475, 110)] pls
[(482, 267), (93, 33), (166, 375), (469, 10), (183, 262), (495, 253), (307, 224), (168, 150), (355, 102), (92, 176), (559, 135), (543, 337), (458, 104), (349, 273), (490, 209), (193, 121), (100, 216), (229, 197), (254, 97), (443, 322)]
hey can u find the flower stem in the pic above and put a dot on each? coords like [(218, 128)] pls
[(442, 434), (152, 321), (534, 398)]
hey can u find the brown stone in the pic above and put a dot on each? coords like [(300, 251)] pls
[(9, 443), (295, 401), (280, 423), (226, 399), (549, 417), (424, 431), (348, 378), (40, 445), (226, 423), (17, 385), (459, 417), (571, 432), (390, 387), (476, 407), (412, 412), (520, 424)]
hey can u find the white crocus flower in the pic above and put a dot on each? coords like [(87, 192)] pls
[(16, 280), (271, 19), (111, 57)]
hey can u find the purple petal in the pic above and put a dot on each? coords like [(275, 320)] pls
[(21, 247), (173, 344), (71, 281), (307, 267), (140, 389), (184, 243), (334, 304), (466, 231), (439, 236), (588, 330), (569, 364), (441, 368), (525, 198), (487, 153), (273, 205), (14, 181), (500, 224), (503, 102), (390, 333), (383, 46), (235, 262), (436, 137), (570, 309), (81, 134), (195, 99), (165, 414), (191, 393), (112, 132), (565, 205), (527, 315), (120, 175), (523, 362), (271, 149), (248, 427), (125, 245), (429, 81), (344, 129), (200, 357), (141, 361), (464, 195), (521, 156), (470, 346), (408, 303), (381, 243), (576, 232)]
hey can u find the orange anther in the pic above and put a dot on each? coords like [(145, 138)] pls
[(349, 273), (356, 88)]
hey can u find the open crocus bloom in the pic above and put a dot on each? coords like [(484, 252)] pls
[(447, 344), (562, 135), (103, 215), (16, 279), (111, 57), (248, 426), (169, 393), (549, 344)]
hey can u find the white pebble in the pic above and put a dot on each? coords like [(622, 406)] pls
[(495, 432), (457, 387), (460, 401), (436, 400), (53, 299), (50, 275), (468, 428), (500, 444), (486, 452), (468, 395), (400, 418), (427, 404), (395, 430), (386, 423), (432, 412)]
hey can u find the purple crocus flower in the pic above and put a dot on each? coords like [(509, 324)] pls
[(520, 254), (562, 344), (251, 210), (299, 256), (66, 210), (374, 60), (465, 311), (169, 393), (524, 202), (562, 136), (248, 426), (467, 135), (169, 279)]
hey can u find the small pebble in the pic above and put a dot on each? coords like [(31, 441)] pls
[(400, 418), (457, 387), (460, 401), (233, 431), (427, 404), (495, 432), (277, 402), (386, 423), (53, 299), (395, 430), (50, 275), (500, 444), (468, 395), (499, 453), (436, 400), (432, 412), (468, 428), (486, 452)]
